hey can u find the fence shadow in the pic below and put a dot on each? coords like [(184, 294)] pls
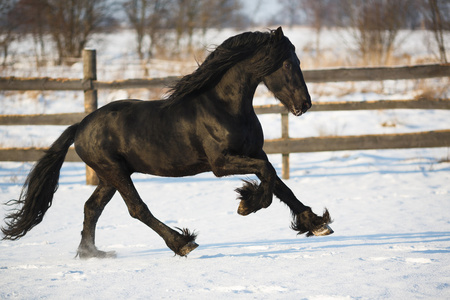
[(332, 242)]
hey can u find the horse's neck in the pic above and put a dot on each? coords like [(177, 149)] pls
[(237, 88)]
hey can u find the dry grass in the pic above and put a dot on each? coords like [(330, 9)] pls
[(433, 89)]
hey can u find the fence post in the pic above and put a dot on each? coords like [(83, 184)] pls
[(90, 97), (285, 135)]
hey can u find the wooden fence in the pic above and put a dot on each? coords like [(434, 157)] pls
[(284, 145)]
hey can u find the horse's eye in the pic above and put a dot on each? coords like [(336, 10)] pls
[(288, 65)]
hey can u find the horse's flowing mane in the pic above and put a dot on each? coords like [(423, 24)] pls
[(230, 52)]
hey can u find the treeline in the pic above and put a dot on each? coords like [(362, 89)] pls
[(374, 24), (70, 24)]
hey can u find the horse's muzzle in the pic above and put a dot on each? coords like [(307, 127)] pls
[(298, 112)]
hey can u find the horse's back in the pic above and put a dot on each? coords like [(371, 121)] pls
[(142, 136), (106, 132)]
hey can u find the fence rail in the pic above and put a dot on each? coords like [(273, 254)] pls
[(71, 118), (285, 145), (426, 139), (322, 75), (438, 138)]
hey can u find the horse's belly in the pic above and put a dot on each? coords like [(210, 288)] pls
[(174, 170), (168, 163), (182, 171)]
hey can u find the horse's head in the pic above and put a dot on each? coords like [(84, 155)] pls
[(286, 82)]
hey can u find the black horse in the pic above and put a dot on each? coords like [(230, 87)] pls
[(206, 124)]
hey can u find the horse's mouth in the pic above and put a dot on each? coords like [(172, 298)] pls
[(298, 112)]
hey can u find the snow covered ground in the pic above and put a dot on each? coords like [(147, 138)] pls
[(391, 240), (390, 211)]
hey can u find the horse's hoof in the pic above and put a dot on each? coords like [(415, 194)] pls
[(243, 210), (108, 254), (323, 230), (96, 254), (186, 249)]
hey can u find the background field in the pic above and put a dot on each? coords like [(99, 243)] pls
[(392, 227)]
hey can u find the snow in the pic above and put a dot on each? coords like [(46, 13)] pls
[(391, 239), (390, 211)]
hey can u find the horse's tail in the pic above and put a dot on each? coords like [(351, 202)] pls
[(37, 192)]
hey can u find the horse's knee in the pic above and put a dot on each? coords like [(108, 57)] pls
[(89, 206), (134, 212), (269, 174), (98, 200), (92, 210)]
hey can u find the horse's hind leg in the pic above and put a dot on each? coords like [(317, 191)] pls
[(92, 211), (179, 242)]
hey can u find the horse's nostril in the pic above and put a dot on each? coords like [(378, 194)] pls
[(306, 106)]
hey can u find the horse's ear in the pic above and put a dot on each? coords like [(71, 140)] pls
[(278, 33)]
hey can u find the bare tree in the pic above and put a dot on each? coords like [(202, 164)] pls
[(319, 13), (220, 13), (437, 14), (33, 21), (149, 18), (290, 10), (187, 16), (136, 11), (160, 22), (204, 14), (375, 25), (7, 26), (71, 23)]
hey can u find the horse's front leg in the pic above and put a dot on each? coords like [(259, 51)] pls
[(305, 221), (253, 196)]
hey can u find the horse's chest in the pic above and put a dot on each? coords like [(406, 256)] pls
[(240, 134), (247, 139)]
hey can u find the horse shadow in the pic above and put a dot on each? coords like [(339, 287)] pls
[(277, 247)]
